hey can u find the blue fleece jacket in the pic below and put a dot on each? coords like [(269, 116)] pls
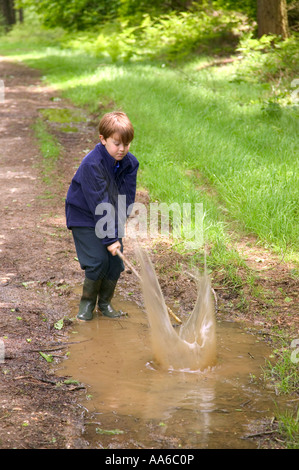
[(100, 179)]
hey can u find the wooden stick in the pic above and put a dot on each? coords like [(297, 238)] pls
[(173, 315), (137, 275), (128, 264)]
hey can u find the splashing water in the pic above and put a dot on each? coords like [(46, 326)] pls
[(194, 347)]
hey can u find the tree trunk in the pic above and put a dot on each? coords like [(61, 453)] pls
[(272, 18), (21, 15), (8, 11)]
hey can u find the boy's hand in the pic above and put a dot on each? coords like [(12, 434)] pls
[(112, 248)]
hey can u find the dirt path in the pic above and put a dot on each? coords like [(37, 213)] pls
[(38, 272), (38, 269), (35, 412)]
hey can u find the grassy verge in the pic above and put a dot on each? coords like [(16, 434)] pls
[(288, 428), (284, 373), (49, 147), (284, 377)]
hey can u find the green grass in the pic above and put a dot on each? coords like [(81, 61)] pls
[(284, 373), (201, 136), (61, 115), (49, 147), (285, 377), (288, 428)]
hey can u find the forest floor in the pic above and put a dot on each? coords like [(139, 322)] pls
[(39, 273)]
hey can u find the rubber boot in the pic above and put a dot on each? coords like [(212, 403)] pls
[(106, 293), (88, 299)]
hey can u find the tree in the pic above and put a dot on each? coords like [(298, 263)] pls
[(72, 14), (8, 11), (272, 18)]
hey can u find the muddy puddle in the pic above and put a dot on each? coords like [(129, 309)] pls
[(131, 403)]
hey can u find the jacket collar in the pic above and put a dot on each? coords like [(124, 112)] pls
[(108, 161)]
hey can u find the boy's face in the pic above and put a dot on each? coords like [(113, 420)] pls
[(115, 147)]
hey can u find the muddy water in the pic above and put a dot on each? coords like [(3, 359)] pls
[(142, 405)]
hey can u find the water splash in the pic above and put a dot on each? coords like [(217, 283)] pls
[(194, 347)]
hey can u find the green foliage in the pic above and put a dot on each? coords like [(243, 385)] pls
[(47, 357), (49, 147), (248, 7), (288, 427), (73, 14), (59, 324), (168, 37), (284, 373), (293, 15), (61, 115), (78, 15), (2, 24), (269, 58), (135, 8)]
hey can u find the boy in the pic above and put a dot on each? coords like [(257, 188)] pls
[(107, 172)]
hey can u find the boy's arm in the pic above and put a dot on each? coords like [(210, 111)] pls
[(94, 187), (95, 190)]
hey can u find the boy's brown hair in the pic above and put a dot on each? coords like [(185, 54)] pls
[(117, 122)]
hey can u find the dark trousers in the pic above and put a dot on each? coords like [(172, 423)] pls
[(93, 256)]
